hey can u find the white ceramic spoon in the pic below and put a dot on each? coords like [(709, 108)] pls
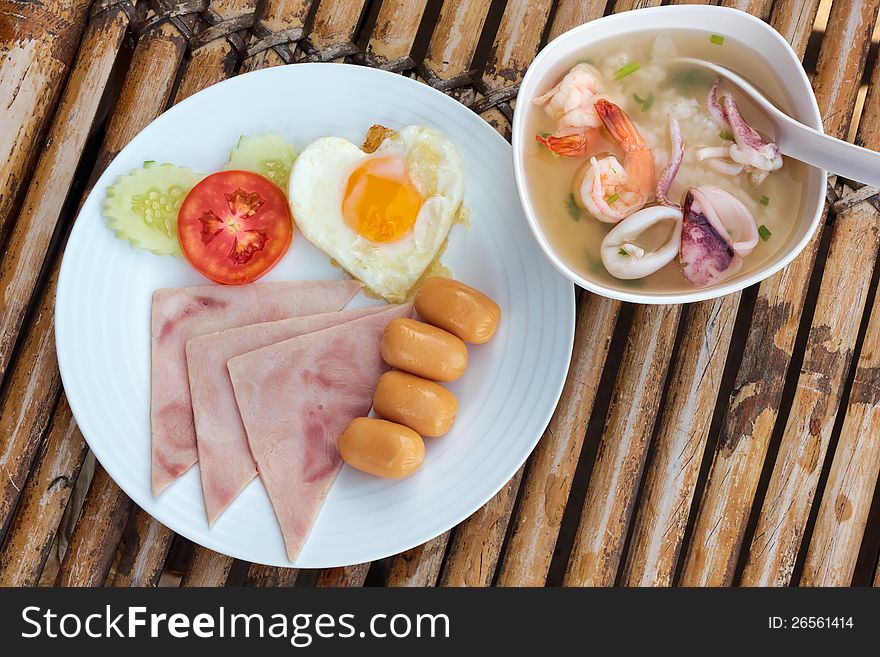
[(802, 142)]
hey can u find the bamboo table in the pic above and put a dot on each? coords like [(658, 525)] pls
[(734, 441)]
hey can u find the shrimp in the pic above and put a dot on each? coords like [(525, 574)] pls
[(607, 189), (571, 106)]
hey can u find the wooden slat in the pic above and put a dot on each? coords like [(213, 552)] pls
[(334, 30), (206, 568), (273, 38), (754, 403), (601, 532), (144, 548), (29, 241), (571, 13), (390, 45), (760, 8), (215, 47), (794, 20), (451, 50), (830, 343), (547, 484), (627, 5), (88, 558), (419, 566), (38, 41), (259, 575), (345, 576), (660, 524), (27, 406), (43, 501)]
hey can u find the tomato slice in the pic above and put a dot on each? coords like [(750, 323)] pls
[(234, 226)]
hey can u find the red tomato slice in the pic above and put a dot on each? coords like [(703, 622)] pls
[(234, 226)]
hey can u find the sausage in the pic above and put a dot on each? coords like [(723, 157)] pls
[(423, 350), (381, 448), (424, 406), (458, 308)]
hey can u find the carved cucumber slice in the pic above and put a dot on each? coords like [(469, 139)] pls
[(141, 206), (269, 154)]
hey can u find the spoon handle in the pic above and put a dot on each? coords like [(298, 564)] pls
[(834, 155)]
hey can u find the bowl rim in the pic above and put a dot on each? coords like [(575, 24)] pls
[(545, 58)]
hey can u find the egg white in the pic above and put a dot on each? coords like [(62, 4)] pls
[(318, 182)]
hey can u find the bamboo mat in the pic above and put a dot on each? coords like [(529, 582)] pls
[(728, 442)]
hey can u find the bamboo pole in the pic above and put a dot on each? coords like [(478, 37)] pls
[(547, 484), (794, 19), (264, 576), (38, 41), (390, 45), (475, 545), (43, 501), (332, 36), (759, 8), (93, 544), (143, 550), (662, 518), (26, 407), (447, 63), (345, 576), (447, 66), (419, 566), (843, 513), (830, 344), (596, 553), (30, 238), (754, 403), (627, 5), (274, 35), (206, 568)]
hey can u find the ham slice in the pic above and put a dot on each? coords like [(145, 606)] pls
[(182, 313), (225, 460), (296, 397)]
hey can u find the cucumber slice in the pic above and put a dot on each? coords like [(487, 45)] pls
[(142, 206), (269, 154)]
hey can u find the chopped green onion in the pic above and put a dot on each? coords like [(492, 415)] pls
[(764, 233), (765, 201), (726, 136), (622, 72), (613, 198), (573, 210), (622, 251), (717, 39), (645, 102)]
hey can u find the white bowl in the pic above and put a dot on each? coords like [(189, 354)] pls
[(769, 48)]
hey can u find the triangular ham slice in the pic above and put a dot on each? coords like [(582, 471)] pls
[(296, 397), (182, 313), (225, 461)]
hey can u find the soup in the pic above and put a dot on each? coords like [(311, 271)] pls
[(641, 79)]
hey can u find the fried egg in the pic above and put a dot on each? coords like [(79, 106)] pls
[(384, 215)]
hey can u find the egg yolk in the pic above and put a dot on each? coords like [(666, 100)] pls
[(381, 203)]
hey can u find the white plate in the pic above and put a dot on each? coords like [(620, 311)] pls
[(506, 396)]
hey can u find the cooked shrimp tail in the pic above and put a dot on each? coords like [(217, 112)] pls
[(567, 145), (619, 126)]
